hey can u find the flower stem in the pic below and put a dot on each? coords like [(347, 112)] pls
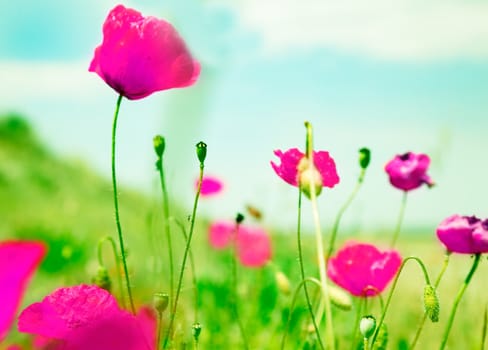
[(167, 228), (117, 262), (401, 214), (185, 257), (302, 271), (424, 317), (458, 299), (359, 313), (395, 281), (116, 204)]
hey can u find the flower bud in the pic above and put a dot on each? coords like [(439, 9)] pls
[(196, 329), (309, 175), (283, 283), (160, 301), (364, 157), (367, 326), (431, 303), (102, 279), (159, 145), (239, 218), (340, 298), (201, 151)]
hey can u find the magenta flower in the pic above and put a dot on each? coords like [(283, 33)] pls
[(88, 317), (18, 261), (253, 244), (464, 234), (210, 186), (141, 55), (409, 171), (290, 162), (362, 269)]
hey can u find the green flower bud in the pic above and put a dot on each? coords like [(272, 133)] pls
[(159, 145), (367, 326), (196, 329), (308, 173), (340, 298), (160, 301), (201, 151), (431, 303), (239, 218), (102, 279), (364, 157), (283, 283)]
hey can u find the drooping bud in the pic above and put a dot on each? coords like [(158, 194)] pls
[(367, 326), (102, 279), (196, 329), (159, 145), (340, 298), (364, 157), (201, 151), (283, 283), (431, 303), (309, 176), (160, 301)]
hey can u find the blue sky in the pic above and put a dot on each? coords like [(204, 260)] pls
[(393, 77)]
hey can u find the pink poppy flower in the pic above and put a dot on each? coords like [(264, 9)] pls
[(18, 261), (288, 169), (88, 317), (362, 269), (253, 244), (464, 234), (141, 55), (210, 186), (409, 171)]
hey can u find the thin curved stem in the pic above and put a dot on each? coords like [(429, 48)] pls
[(395, 281), (302, 270), (117, 262), (167, 228), (401, 215), (424, 317), (116, 205), (458, 299), (185, 257)]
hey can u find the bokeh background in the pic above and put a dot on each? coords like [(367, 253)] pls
[(391, 76)]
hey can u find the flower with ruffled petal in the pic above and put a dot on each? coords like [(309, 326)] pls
[(18, 261), (88, 317), (409, 171), (464, 234), (295, 169), (141, 55), (210, 186), (362, 269), (253, 244)]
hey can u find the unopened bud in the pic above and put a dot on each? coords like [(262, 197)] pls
[(102, 279), (340, 298), (364, 157), (159, 145), (431, 303), (201, 151), (283, 283), (309, 177), (367, 326), (239, 218), (160, 301), (196, 329)]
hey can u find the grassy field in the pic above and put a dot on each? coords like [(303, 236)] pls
[(65, 204)]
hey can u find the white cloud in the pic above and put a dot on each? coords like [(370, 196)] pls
[(408, 30)]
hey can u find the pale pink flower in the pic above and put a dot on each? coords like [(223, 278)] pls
[(18, 261), (88, 317), (464, 234), (141, 55), (362, 269), (211, 185), (409, 171)]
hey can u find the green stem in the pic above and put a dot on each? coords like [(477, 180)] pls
[(458, 299), (401, 214), (116, 204), (424, 317), (341, 211), (185, 257), (303, 283), (359, 313), (395, 281), (234, 289), (365, 343), (167, 228), (117, 262), (160, 327), (302, 271)]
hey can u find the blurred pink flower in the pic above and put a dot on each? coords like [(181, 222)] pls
[(464, 234), (409, 171), (253, 244), (210, 186), (141, 55), (18, 261), (290, 161), (88, 317), (362, 269)]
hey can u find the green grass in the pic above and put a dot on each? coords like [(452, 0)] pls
[(67, 205)]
